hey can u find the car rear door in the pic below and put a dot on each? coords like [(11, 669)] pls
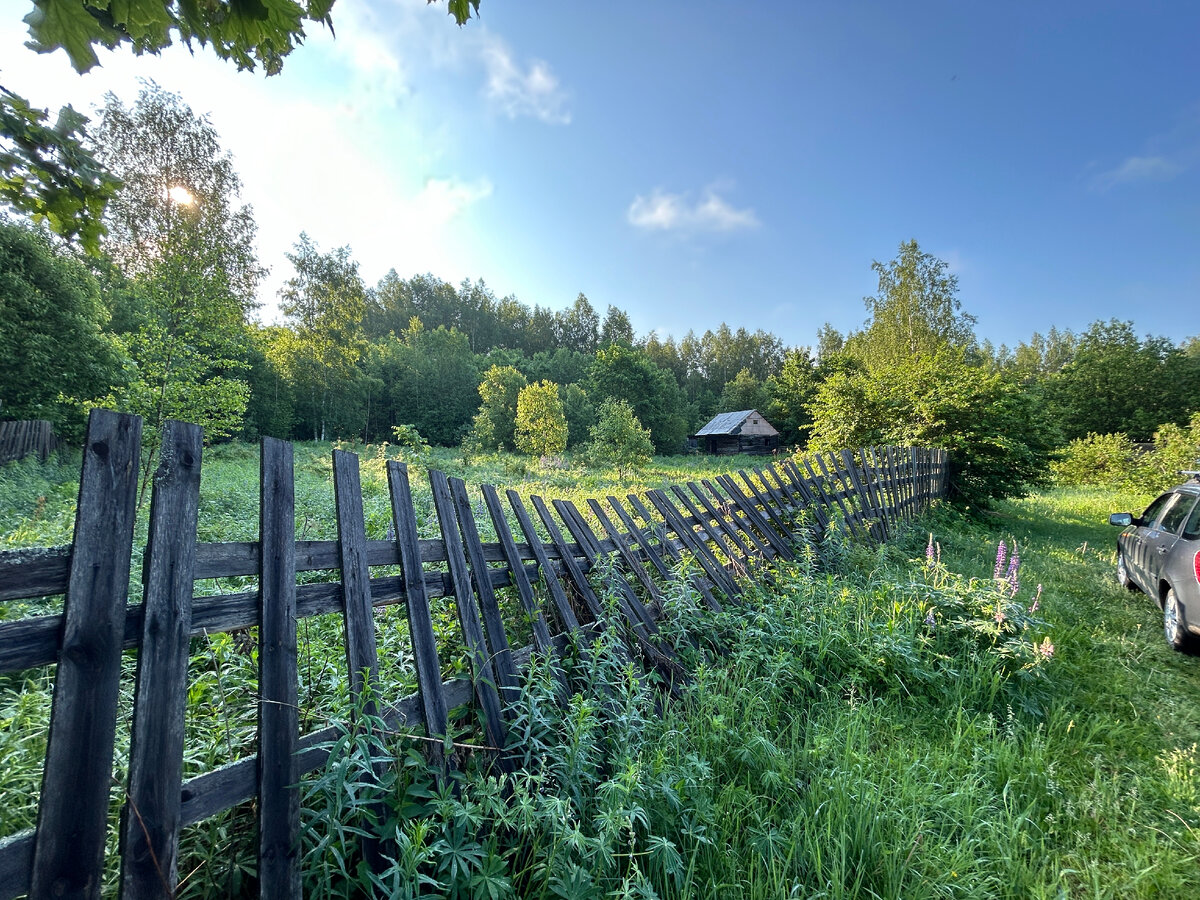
[(1144, 532), (1160, 540), (1183, 567)]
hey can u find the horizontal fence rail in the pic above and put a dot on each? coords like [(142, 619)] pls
[(729, 525)]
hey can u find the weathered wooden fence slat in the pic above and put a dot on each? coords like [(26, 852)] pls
[(150, 824), (483, 674), (278, 678), (420, 621), (562, 604), (69, 847), (533, 609), (717, 573), (501, 653), (729, 525)]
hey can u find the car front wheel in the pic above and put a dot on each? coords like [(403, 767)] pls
[(1123, 573), (1174, 624)]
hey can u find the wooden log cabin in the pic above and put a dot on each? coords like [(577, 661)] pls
[(744, 431)]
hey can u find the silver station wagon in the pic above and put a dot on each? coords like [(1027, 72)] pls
[(1159, 553)]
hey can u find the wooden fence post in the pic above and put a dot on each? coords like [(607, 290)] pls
[(150, 826), (278, 677), (68, 854)]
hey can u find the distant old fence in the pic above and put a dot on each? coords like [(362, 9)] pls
[(19, 439), (728, 525)]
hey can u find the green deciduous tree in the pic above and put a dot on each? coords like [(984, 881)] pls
[(53, 354), (744, 391), (989, 421), (188, 270), (916, 311), (429, 379), (324, 304), (494, 426), (624, 373), (618, 438), (1118, 382), (48, 173), (578, 327), (541, 422)]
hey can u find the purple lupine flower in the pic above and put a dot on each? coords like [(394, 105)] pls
[(1001, 557), (1013, 577), (929, 617), (1037, 600)]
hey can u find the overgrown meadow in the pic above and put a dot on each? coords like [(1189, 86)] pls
[(931, 718)]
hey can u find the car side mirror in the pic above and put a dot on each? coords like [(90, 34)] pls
[(1121, 520)]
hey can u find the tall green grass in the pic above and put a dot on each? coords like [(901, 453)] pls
[(870, 722)]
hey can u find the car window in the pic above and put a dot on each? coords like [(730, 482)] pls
[(1191, 528), (1155, 509), (1174, 516)]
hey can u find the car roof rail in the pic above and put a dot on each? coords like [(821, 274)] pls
[(1193, 473)]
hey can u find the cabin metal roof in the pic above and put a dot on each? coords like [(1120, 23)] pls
[(732, 422)]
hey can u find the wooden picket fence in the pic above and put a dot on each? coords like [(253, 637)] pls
[(728, 525), (18, 439)]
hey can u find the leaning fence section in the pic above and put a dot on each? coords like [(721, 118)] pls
[(548, 552), (19, 439)]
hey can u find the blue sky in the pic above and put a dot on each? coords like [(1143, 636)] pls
[(707, 161)]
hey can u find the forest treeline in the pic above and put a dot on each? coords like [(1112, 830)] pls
[(164, 323)]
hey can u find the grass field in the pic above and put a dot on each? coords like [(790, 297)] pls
[(871, 723)]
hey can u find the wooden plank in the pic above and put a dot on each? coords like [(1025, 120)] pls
[(648, 549), (420, 622), (362, 659), (708, 562), (150, 818), (807, 490), (562, 604), (68, 856), (848, 470), (723, 519), (788, 501), (875, 485), (699, 580), (578, 579), (894, 482), (32, 642), (34, 572), (632, 563), (714, 531), (632, 600), (850, 515), (627, 600), (533, 609), (16, 864), (759, 521), (642, 624), (278, 678), (745, 527), (483, 675), (501, 653), (768, 509), (883, 487)]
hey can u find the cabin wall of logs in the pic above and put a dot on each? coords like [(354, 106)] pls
[(546, 556)]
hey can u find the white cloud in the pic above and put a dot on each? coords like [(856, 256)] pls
[(663, 211), (443, 199), (523, 91), (1138, 168)]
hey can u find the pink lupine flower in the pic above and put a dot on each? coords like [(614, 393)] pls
[(1037, 600), (1001, 557)]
